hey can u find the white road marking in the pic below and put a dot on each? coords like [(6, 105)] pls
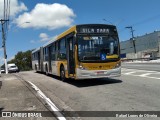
[(130, 73), (48, 101), (145, 74), (152, 77), (139, 70)]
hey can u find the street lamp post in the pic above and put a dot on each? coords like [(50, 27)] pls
[(130, 27), (15, 27)]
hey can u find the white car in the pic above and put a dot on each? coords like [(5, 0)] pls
[(2, 70), (12, 68)]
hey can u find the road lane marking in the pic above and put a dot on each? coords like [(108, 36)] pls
[(130, 73), (146, 74), (139, 70), (48, 101), (143, 76), (152, 77)]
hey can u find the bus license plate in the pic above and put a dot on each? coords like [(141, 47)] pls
[(100, 72)]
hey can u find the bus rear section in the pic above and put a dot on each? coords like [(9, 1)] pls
[(37, 59)]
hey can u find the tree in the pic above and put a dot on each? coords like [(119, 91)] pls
[(23, 60)]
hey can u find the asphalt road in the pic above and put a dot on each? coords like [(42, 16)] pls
[(142, 66), (135, 90)]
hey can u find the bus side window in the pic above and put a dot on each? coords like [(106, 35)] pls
[(53, 52), (62, 49)]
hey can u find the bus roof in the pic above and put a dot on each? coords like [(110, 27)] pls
[(35, 50), (49, 42), (72, 29)]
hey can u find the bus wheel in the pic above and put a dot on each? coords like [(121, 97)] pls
[(62, 74)]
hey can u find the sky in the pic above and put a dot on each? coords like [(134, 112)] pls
[(33, 23)]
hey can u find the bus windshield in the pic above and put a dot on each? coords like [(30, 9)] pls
[(97, 48)]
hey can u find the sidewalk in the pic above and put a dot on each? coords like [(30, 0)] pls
[(15, 96)]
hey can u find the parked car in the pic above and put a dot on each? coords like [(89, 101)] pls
[(2, 70), (12, 68)]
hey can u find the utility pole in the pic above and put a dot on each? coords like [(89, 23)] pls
[(130, 27), (4, 45)]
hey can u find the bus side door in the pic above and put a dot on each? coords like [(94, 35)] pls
[(70, 55)]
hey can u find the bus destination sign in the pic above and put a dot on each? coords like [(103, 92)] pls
[(94, 30)]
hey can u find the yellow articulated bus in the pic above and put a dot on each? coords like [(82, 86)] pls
[(82, 52)]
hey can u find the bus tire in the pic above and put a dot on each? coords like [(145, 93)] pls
[(62, 73)]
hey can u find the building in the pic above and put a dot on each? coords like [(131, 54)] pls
[(146, 46)]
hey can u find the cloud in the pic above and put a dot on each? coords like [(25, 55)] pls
[(48, 16), (44, 37), (15, 8)]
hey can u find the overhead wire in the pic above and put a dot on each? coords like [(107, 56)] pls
[(141, 22), (6, 16), (6, 10)]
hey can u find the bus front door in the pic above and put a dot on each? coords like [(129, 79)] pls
[(70, 56)]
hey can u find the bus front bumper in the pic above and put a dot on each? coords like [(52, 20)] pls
[(89, 74)]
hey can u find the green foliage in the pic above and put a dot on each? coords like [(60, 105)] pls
[(23, 60)]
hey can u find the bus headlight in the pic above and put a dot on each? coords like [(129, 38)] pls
[(82, 67), (117, 65)]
